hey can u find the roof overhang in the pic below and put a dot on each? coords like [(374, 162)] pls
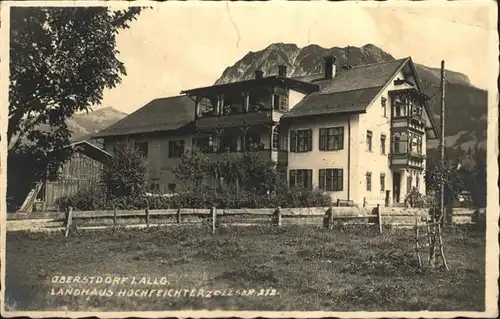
[(90, 150), (285, 118), (432, 131), (296, 85)]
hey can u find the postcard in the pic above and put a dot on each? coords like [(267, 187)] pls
[(249, 159)]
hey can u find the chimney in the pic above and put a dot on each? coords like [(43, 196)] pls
[(282, 70), (259, 74), (330, 66)]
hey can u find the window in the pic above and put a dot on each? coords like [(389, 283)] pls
[(331, 139), (231, 142), (171, 188), (232, 104), (369, 135), (143, 148), (175, 148), (382, 144), (408, 183), (382, 182), (252, 141), (206, 106), (331, 179), (369, 182), (154, 187), (301, 178), (276, 138), (280, 103), (397, 143), (204, 143), (301, 141), (384, 106), (280, 100)]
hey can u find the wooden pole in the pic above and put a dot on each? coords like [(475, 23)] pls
[(417, 246), (214, 217), (379, 219), (441, 248), (328, 219), (277, 213), (441, 140), (69, 220), (115, 213), (178, 215), (147, 213)]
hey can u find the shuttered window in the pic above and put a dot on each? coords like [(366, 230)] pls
[(301, 141), (331, 138), (301, 178), (331, 179)]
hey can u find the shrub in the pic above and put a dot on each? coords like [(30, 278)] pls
[(415, 199), (88, 198), (125, 176), (208, 197)]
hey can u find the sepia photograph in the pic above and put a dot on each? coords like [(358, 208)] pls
[(249, 159)]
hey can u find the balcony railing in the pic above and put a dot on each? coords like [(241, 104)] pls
[(279, 156), (238, 119), (415, 122), (405, 160)]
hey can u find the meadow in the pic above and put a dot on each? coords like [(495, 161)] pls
[(295, 268)]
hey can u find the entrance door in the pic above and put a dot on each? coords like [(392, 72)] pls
[(396, 183), (387, 198)]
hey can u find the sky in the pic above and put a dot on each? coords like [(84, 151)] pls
[(180, 45)]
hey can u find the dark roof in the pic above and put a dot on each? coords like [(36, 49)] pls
[(350, 91), (93, 151), (297, 84), (164, 114)]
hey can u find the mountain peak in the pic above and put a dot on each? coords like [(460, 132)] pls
[(300, 61)]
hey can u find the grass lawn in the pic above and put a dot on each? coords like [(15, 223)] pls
[(310, 269)]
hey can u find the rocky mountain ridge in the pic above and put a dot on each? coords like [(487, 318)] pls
[(466, 105), (84, 125)]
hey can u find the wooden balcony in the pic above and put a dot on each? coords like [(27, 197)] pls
[(278, 156), (413, 122), (407, 160), (237, 119)]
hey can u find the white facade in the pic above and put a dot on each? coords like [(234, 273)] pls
[(361, 161)]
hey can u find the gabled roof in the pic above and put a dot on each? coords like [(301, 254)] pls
[(163, 114), (349, 91)]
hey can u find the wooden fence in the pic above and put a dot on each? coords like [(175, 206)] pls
[(214, 218)]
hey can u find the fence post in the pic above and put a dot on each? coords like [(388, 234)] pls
[(277, 216), (69, 220), (328, 220), (178, 215), (379, 219), (214, 217), (147, 212), (115, 213)]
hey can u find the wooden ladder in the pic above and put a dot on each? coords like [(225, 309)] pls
[(429, 242)]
